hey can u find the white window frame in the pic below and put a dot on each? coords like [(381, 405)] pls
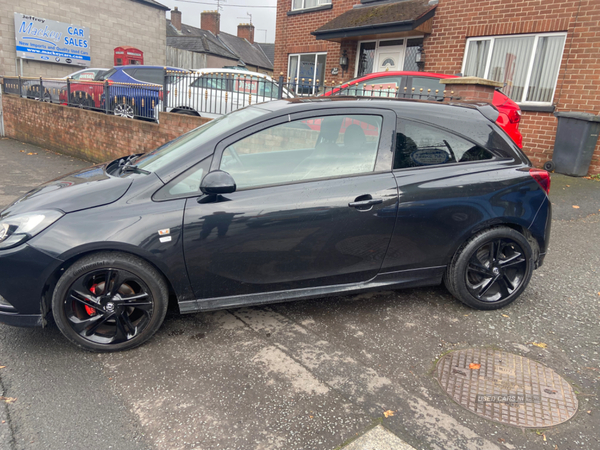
[(377, 41), (319, 3), (537, 36), (297, 79)]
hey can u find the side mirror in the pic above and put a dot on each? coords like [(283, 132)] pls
[(217, 182)]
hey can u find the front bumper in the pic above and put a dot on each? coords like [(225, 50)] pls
[(24, 272)]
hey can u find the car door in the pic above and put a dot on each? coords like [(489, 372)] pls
[(315, 206)]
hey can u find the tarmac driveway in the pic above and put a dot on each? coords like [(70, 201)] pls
[(310, 374)]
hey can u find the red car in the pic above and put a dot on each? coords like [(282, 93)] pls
[(426, 86)]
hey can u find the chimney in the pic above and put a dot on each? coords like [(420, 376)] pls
[(210, 21), (246, 31), (176, 18)]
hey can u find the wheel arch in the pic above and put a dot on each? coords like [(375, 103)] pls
[(509, 222), (76, 255)]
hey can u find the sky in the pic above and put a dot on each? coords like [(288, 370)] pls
[(263, 19)]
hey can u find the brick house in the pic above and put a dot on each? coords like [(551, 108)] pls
[(546, 53)]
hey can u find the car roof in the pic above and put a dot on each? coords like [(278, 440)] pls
[(404, 73), (140, 66), (237, 71)]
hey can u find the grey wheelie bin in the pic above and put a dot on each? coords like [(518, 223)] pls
[(576, 138)]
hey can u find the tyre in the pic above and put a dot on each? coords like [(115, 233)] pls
[(549, 166), (79, 100), (491, 270), (110, 301), (124, 108)]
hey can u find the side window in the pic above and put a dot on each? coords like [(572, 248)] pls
[(423, 145), (211, 81), (188, 183), (154, 76), (426, 87), (376, 87), (319, 147)]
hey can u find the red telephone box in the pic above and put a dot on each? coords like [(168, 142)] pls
[(125, 56)]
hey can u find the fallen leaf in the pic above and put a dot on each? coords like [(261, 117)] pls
[(544, 436), (8, 399), (2, 367), (589, 412), (575, 206), (22, 151), (388, 413), (568, 185), (540, 344), (505, 315), (29, 153), (474, 366)]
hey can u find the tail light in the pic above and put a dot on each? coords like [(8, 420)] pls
[(514, 116), (542, 177)]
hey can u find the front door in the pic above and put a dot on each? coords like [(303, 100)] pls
[(389, 58), (315, 206)]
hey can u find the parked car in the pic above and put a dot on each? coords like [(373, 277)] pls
[(214, 92), (426, 85), (134, 91), (52, 87), (263, 205)]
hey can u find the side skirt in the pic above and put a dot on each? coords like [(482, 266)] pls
[(403, 279)]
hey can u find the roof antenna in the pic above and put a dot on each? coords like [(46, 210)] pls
[(248, 14)]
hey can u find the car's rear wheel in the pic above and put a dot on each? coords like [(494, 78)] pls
[(492, 269), (109, 302)]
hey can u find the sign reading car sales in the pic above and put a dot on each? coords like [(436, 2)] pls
[(51, 41)]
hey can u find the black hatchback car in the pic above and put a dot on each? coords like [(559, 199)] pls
[(286, 200)]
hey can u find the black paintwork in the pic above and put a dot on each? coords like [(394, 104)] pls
[(276, 243)]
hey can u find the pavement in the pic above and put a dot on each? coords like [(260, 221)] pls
[(352, 372)]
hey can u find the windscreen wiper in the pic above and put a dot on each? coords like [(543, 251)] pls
[(133, 168)]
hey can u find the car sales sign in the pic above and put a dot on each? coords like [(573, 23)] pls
[(51, 41)]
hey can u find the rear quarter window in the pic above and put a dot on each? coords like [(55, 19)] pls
[(419, 145)]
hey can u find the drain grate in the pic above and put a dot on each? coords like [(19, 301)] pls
[(506, 388)]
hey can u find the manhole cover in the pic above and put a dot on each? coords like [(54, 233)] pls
[(506, 388)]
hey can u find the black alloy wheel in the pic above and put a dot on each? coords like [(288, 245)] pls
[(496, 270), (109, 302), (492, 269)]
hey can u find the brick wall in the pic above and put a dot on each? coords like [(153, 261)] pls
[(112, 23), (92, 136), (577, 88)]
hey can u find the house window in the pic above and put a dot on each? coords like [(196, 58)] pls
[(307, 4), (306, 72), (528, 65)]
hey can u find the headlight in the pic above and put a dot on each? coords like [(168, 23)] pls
[(17, 229)]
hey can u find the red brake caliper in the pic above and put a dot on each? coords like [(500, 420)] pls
[(88, 309)]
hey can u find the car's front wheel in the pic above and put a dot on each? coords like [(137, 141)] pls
[(492, 269), (124, 108), (110, 301)]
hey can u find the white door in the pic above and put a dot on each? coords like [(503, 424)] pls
[(389, 58)]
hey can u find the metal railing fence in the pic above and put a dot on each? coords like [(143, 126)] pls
[(208, 94)]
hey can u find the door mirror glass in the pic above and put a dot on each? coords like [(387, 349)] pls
[(217, 182)]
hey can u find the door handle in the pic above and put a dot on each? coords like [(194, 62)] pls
[(365, 201)]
